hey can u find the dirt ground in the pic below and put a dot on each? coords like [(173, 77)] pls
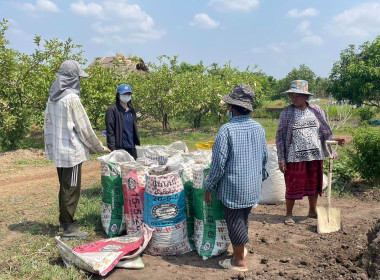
[(276, 251)]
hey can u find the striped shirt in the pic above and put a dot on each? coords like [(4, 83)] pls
[(68, 132), (239, 157), (285, 130)]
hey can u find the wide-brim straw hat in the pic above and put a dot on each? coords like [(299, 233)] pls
[(298, 86), (241, 95)]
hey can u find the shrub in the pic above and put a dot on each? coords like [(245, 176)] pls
[(343, 173), (365, 155), (366, 114)]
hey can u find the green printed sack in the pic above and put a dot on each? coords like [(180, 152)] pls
[(189, 211), (112, 207), (210, 228)]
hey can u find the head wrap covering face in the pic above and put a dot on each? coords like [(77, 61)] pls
[(67, 80)]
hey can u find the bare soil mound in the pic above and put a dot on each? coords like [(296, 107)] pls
[(371, 258), (10, 158)]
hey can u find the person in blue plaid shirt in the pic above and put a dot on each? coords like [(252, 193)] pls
[(239, 157)]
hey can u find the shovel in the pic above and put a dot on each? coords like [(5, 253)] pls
[(329, 217)]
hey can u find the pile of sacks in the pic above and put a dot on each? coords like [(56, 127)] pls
[(163, 189), (156, 204)]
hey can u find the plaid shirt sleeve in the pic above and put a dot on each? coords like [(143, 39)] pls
[(84, 129), (220, 154), (281, 135)]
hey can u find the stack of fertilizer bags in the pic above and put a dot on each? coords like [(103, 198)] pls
[(155, 204), (164, 191)]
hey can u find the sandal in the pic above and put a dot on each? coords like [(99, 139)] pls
[(289, 221), (315, 216), (226, 264)]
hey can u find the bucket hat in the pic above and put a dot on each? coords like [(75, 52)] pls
[(124, 88), (241, 95), (298, 86)]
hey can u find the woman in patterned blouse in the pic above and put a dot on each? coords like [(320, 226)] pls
[(300, 140)]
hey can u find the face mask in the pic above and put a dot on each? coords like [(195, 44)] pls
[(125, 98), (229, 114)]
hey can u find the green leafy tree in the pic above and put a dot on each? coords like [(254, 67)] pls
[(302, 73), (197, 96), (25, 81), (321, 86), (365, 154), (98, 91), (156, 98), (356, 77)]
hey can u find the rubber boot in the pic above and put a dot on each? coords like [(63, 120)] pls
[(70, 231)]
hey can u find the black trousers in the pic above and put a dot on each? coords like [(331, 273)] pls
[(69, 192), (132, 152)]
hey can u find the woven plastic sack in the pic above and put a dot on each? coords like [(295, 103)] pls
[(184, 166), (199, 156), (112, 207), (273, 188), (161, 154), (133, 184), (164, 210), (102, 256), (135, 263), (210, 228), (180, 146)]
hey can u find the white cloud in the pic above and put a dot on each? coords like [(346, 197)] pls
[(303, 27), (308, 37), (234, 5), (203, 21), (40, 6), (100, 28), (86, 10), (46, 5), (276, 48), (360, 21), (310, 12), (119, 18), (13, 27), (313, 40), (257, 50), (98, 40), (130, 15)]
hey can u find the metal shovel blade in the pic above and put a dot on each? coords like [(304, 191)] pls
[(328, 219)]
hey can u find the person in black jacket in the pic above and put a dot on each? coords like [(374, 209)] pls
[(121, 122)]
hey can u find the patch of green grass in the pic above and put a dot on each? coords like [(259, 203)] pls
[(33, 254), (33, 162)]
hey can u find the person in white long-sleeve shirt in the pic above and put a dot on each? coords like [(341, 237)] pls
[(68, 139)]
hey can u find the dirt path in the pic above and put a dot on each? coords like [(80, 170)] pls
[(276, 251)]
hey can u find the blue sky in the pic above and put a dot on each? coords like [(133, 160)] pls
[(275, 35)]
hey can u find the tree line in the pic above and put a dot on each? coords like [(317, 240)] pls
[(169, 90)]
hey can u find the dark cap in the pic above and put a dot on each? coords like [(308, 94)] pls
[(241, 95), (123, 89)]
